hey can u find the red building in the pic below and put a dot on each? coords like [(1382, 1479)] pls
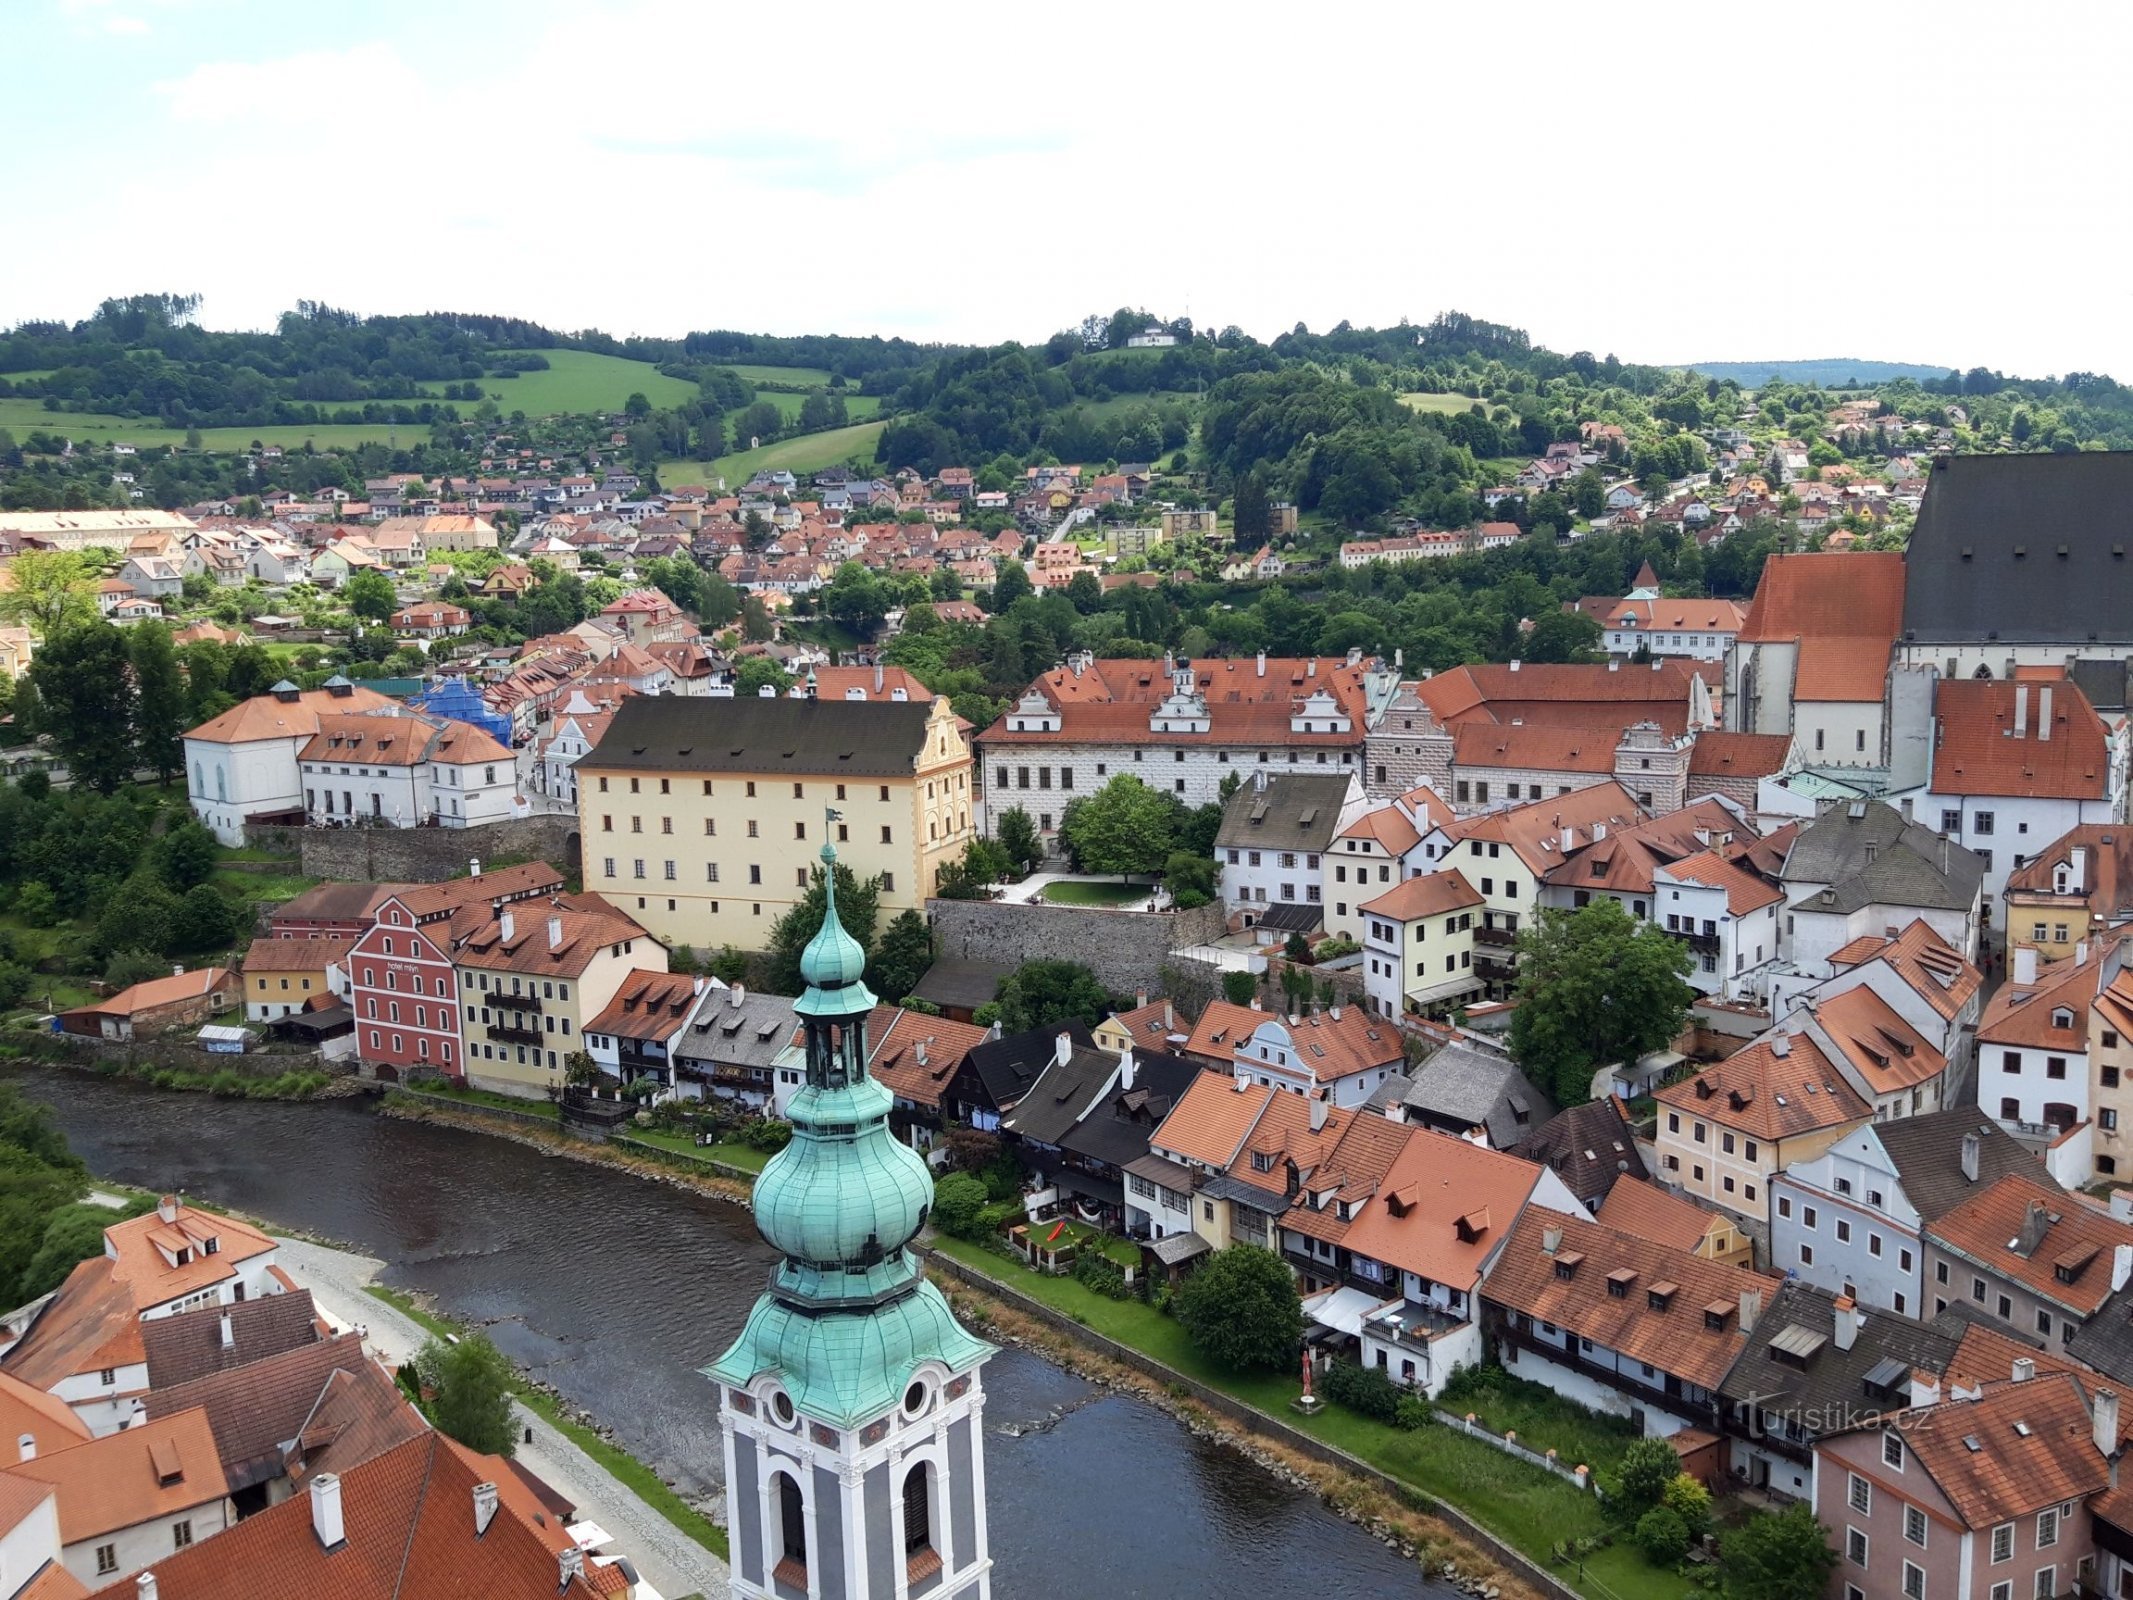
[(400, 973)]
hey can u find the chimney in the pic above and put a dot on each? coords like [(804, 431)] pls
[(736, 994), (474, 867), (1311, 667), (484, 1507), (1925, 1387), (144, 1587), (569, 1564), (2036, 1222), (1262, 663), (1140, 998), (1781, 1045), (2044, 733), (177, 969), (1170, 1020), (229, 1333), (2025, 963), (1335, 1012), (919, 1051), (505, 924), (1551, 1240), (326, 1510), (2024, 1369), (2121, 1266), (1125, 1069), (167, 1208), (26, 1447), (1847, 1320), (1063, 1048), (877, 677), (2021, 726), (1751, 1307), (1970, 1150), (555, 933), (2104, 1418), (1570, 838), (1318, 1114)]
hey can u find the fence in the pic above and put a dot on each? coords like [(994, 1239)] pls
[(1581, 1475), (1253, 1420)]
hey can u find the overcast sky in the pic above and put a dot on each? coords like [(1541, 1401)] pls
[(1667, 182)]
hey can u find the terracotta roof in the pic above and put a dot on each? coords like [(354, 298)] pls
[(1333, 1046), (360, 1413), (1212, 1119), (1676, 1338), (1109, 701), (1652, 1213), (647, 1005), (1598, 695), (1548, 747), (553, 937), (1846, 670), (400, 741), (1886, 1050), (26, 1409), (2042, 1238), (1221, 1028), (1414, 898), (1934, 968), (836, 683), (1341, 1163), (255, 1409), (2021, 1014), (1766, 1095), (191, 1344), (1627, 858), (1443, 1208), (1745, 892), (438, 899), (1390, 827), (1978, 751), (91, 1323), (156, 1468), (1428, 807), (1986, 1354), (265, 716), (2035, 1448), (158, 992), (1534, 832), (55, 1582), (141, 1249), (409, 1522), (1821, 595), (2103, 852), (1738, 755), (900, 1037), (1150, 1026), (297, 955)]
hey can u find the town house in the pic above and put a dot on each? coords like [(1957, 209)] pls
[(917, 1056), (737, 1046), (2030, 1257), (285, 976), (1340, 1054), (2033, 1057), (1418, 945), (635, 1034), (1273, 834), (1863, 868), (1371, 854), (1812, 656), (2075, 889)]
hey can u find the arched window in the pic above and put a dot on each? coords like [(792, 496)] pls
[(920, 1558), (1983, 671), (791, 1565), (388, 944), (222, 784), (199, 781)]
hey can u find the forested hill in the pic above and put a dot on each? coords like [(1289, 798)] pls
[(144, 356), (1833, 372)]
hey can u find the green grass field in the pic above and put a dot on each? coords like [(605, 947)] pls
[(1097, 894), (811, 452), (1438, 402), (804, 377), (580, 380), (1120, 405), (21, 417)]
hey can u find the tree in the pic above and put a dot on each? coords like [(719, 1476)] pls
[(1017, 835), (1595, 986), (72, 1235), (1647, 1467), (1038, 994), (1241, 1310), (205, 920), (129, 967), (1238, 987), (469, 1388), (49, 592), (85, 699), (856, 598), (1251, 516), (1190, 879), (1010, 583), (1778, 1555), (858, 908), (1561, 636), (143, 915), (159, 713), (958, 1197), (1124, 827), (1662, 1536), (755, 673), (370, 596), (636, 406), (905, 954)]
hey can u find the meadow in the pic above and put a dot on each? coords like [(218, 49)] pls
[(582, 380), (810, 452), (1447, 403)]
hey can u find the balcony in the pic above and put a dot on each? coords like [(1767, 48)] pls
[(509, 1002), (1701, 943), (502, 1034), (1503, 938)]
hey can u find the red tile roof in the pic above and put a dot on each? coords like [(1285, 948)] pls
[(1546, 747), (1770, 1096), (1427, 896), (902, 1038), (1738, 755), (2050, 1242), (1820, 595), (1978, 751), (1647, 1211), (157, 1468), (2036, 1448), (1443, 1209)]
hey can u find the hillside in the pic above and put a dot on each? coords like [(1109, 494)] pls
[(1833, 372)]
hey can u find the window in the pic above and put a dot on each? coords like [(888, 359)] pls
[(1855, 1547), (1981, 824), (792, 1530), (1914, 1526), (1914, 1581), (2047, 1527), (918, 1513), (2047, 1583), (1892, 1451), (2003, 1591), (2003, 1542), (181, 1534), (1785, 1206), (106, 1559), (1861, 1497)]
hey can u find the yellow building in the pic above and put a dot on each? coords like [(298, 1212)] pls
[(1177, 525), (283, 976), (1123, 539), (1778, 1102), (703, 818), (1418, 945), (2073, 890)]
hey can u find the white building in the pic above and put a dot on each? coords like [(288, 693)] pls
[(1342, 1055), (578, 726), (1861, 869), (1274, 833)]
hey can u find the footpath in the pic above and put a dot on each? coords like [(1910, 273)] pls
[(668, 1559)]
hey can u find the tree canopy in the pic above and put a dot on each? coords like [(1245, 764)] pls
[(1595, 986), (1241, 1310)]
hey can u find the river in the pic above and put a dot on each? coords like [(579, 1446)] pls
[(616, 1290)]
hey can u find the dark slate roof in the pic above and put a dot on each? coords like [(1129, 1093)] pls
[(965, 985), (1119, 1127), (1290, 813), (1588, 1147), (2104, 681), (1473, 1087), (1227, 1186), (189, 1345), (1007, 1067), (2024, 549), (1292, 916), (1927, 1153), (1869, 855), (753, 1033), (2105, 1341), (255, 1410), (1831, 1394), (1065, 1093), (826, 738)]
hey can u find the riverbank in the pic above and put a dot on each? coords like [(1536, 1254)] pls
[(679, 1550)]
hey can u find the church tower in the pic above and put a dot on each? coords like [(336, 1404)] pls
[(850, 1404)]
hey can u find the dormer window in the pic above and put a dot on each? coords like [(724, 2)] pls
[(1659, 1296), (1567, 1264), (1262, 1161), (2062, 1017)]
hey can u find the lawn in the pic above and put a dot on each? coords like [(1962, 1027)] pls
[(1420, 401), (583, 380), (250, 885), (744, 1156), (478, 1098), (1502, 1402), (1081, 893), (21, 417), (1521, 1504), (810, 452), (800, 377), (1120, 405)]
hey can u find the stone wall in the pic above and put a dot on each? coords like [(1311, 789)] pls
[(1125, 949), (421, 855)]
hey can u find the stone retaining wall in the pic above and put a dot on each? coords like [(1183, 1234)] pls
[(420, 855), (1125, 949), (1253, 1420)]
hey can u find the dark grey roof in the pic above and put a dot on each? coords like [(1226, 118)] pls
[(2105, 1340), (2023, 549), (2105, 681), (256, 1409), (190, 1345), (1831, 1393), (827, 738), (1927, 1153), (1118, 1127), (1008, 1067), (751, 1034), (1060, 1098), (965, 985), (1588, 1147), (1227, 1186), (1867, 854), (1179, 1247), (1290, 813), (1476, 1088), (1292, 917)]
